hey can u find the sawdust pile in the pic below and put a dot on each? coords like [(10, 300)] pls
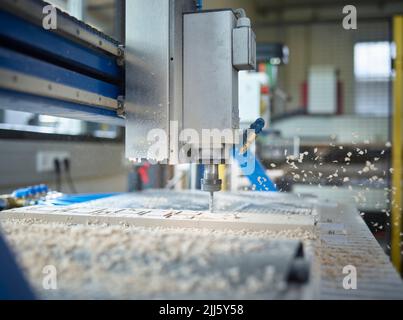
[(135, 262)]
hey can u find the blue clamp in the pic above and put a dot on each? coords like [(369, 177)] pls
[(21, 193), (30, 191)]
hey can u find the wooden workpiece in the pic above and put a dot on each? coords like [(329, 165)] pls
[(162, 218)]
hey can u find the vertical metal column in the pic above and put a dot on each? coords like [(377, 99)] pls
[(396, 220)]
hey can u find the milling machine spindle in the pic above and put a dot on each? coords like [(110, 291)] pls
[(211, 182)]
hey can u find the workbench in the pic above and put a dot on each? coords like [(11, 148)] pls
[(165, 244)]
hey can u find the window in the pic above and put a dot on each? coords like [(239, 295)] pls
[(372, 73), (372, 61)]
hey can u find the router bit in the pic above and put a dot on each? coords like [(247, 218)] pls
[(211, 182)]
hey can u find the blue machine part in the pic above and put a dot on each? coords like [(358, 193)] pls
[(13, 285), (30, 191), (199, 5), (67, 200), (42, 105), (250, 165), (253, 169), (21, 63), (61, 48), (258, 125), (29, 49)]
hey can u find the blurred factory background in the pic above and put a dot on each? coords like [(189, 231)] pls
[(326, 95)]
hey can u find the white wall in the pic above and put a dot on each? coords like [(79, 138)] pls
[(314, 43), (95, 167), (321, 44)]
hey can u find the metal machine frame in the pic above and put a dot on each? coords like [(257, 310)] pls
[(73, 71)]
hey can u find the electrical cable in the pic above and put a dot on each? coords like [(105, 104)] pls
[(58, 173), (67, 170)]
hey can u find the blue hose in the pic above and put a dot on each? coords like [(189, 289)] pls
[(199, 5)]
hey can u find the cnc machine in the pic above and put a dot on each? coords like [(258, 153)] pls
[(176, 72)]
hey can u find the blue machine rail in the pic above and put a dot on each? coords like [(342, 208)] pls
[(58, 47), (17, 101), (27, 48), (22, 63)]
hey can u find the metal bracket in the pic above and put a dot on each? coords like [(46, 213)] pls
[(120, 61), (120, 110)]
